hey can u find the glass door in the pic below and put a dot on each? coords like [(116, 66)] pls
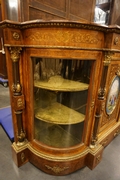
[(60, 100)]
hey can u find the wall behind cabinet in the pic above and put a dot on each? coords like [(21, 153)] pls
[(55, 9)]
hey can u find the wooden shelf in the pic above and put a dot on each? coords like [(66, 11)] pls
[(57, 83), (59, 114)]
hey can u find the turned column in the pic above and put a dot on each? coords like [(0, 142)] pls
[(101, 98), (18, 97)]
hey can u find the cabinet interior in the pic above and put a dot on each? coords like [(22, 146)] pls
[(60, 97)]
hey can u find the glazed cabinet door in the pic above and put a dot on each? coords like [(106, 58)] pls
[(61, 92), (60, 99)]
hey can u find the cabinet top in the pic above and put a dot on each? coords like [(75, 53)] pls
[(61, 34), (59, 23)]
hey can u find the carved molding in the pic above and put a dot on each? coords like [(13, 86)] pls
[(41, 23)]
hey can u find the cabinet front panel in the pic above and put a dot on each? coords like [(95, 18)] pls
[(111, 101)]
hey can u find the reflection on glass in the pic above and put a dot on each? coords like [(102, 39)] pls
[(12, 9), (60, 97)]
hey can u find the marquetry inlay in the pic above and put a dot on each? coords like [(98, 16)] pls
[(64, 36)]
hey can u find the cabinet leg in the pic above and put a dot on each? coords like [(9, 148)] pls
[(20, 154)]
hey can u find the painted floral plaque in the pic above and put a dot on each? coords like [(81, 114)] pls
[(113, 95)]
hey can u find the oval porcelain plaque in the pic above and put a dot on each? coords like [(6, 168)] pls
[(113, 95)]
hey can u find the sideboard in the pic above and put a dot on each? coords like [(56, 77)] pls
[(64, 81)]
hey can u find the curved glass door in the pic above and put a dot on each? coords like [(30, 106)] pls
[(60, 98)]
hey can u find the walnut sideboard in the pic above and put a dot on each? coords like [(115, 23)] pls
[(64, 81)]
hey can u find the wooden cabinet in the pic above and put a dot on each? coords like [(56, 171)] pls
[(65, 92), (64, 80)]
